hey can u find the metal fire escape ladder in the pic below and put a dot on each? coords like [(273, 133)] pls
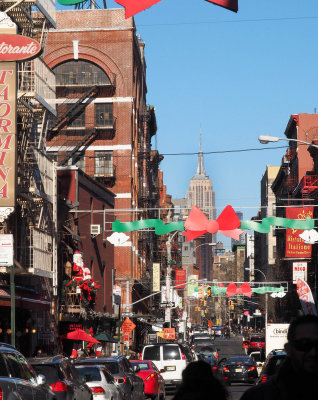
[(73, 111), (77, 147)]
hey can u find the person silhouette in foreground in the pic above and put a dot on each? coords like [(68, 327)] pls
[(199, 383), (298, 376)]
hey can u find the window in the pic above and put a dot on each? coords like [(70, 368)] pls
[(104, 115), (152, 353), (103, 163), (80, 73), (171, 352), (19, 367)]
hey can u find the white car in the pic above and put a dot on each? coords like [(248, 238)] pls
[(100, 381)]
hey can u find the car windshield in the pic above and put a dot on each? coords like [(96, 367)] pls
[(90, 374), (257, 356), (206, 349), (142, 365), (257, 339), (239, 360), (52, 373)]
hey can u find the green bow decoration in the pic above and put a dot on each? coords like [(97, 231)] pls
[(160, 227), (265, 225)]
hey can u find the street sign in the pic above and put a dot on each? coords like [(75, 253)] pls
[(127, 314), (6, 250), (170, 304), (169, 333), (128, 326), (126, 337)]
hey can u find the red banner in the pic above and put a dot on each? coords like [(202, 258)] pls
[(229, 4), (295, 246), (181, 276)]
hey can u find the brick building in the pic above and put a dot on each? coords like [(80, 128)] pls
[(104, 127)]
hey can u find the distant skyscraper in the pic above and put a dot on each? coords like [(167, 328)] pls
[(200, 192), (242, 235)]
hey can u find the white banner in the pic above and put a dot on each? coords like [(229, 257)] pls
[(155, 277), (299, 271), (306, 297)]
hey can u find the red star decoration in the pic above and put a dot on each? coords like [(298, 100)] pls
[(133, 7)]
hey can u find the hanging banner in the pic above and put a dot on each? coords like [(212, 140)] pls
[(155, 277), (299, 271), (306, 297), (193, 286), (181, 277), (295, 246)]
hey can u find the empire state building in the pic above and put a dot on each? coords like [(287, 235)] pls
[(200, 192)]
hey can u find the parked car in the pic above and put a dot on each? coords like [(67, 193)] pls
[(256, 343), (18, 380), (240, 369), (100, 381), (131, 384), (62, 378), (153, 380), (271, 365), (170, 357)]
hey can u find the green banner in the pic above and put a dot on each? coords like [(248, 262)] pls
[(160, 227), (265, 225), (70, 2), (261, 227)]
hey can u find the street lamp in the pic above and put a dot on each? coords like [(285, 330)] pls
[(264, 139), (265, 279)]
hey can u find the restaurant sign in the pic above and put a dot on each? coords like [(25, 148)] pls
[(295, 246), (18, 48)]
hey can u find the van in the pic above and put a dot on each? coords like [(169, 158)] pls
[(171, 359)]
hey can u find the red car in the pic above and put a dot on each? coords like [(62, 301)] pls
[(154, 382), (257, 343)]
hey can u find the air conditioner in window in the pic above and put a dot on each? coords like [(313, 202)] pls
[(95, 230)]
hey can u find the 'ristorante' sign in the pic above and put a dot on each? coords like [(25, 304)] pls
[(18, 47)]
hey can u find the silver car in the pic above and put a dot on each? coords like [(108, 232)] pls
[(100, 381)]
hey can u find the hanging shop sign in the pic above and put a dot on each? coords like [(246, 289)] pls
[(6, 250), (155, 277), (18, 48), (181, 276), (299, 271), (295, 246)]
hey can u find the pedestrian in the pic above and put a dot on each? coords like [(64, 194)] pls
[(298, 376), (199, 383)]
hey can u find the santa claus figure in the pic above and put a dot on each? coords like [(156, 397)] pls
[(78, 266)]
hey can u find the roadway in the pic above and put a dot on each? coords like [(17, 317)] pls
[(228, 348)]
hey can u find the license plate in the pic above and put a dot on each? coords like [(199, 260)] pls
[(170, 368), (238, 369)]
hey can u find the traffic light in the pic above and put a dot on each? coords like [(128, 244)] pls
[(208, 291)]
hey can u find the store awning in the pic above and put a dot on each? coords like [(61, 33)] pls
[(28, 301)]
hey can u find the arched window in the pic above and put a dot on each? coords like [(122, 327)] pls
[(80, 73)]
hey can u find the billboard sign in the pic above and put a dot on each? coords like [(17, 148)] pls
[(295, 246)]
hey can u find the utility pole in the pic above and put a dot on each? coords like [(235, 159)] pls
[(168, 283)]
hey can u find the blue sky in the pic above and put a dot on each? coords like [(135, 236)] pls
[(235, 75)]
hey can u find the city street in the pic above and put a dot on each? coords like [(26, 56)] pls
[(228, 348)]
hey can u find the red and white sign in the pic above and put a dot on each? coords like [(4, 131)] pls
[(126, 337), (299, 271), (306, 297), (169, 333), (295, 246), (181, 277), (18, 47)]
